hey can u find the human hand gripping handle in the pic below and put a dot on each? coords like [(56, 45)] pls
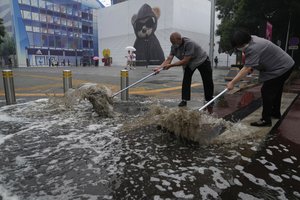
[(162, 67), (230, 85), (157, 69)]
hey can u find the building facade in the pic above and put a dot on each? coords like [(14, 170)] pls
[(147, 25), (52, 32)]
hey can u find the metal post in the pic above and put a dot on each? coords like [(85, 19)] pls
[(287, 35), (212, 32), (67, 80), (9, 88), (124, 84)]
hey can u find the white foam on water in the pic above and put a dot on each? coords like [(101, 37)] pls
[(269, 165), (295, 177), (276, 178), (245, 196), (297, 194), (4, 138), (285, 176), (6, 194), (160, 188), (237, 182), (269, 152), (246, 159), (294, 158), (220, 182), (287, 160), (41, 118), (260, 182), (181, 194), (102, 151), (206, 192)]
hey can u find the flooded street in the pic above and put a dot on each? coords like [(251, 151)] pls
[(50, 151)]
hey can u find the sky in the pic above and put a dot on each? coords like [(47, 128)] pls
[(106, 2)]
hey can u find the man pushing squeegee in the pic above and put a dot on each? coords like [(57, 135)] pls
[(191, 56)]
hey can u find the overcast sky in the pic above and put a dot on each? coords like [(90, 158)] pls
[(105, 2)]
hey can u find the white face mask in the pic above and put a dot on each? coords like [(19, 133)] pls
[(243, 48)]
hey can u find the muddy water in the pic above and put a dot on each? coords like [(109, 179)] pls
[(53, 151)]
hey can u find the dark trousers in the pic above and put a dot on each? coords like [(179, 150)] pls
[(206, 75), (271, 93)]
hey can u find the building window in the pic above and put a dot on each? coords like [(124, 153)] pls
[(56, 8), (37, 39), (69, 11), (56, 20), (43, 17), (63, 21), (36, 29), (49, 19), (49, 5), (69, 23), (26, 2), (51, 40), (44, 30), (63, 9), (42, 4), (64, 42), (28, 28), (50, 31), (58, 41), (34, 3), (44, 40), (35, 16), (26, 14), (30, 37)]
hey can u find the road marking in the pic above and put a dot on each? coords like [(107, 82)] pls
[(136, 91)]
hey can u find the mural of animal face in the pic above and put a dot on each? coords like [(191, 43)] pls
[(145, 21), (145, 27), (148, 49)]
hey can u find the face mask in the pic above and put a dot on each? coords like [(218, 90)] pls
[(176, 45), (243, 48)]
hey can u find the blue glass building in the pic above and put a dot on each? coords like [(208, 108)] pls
[(52, 32)]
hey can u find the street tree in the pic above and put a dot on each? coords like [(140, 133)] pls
[(2, 30), (252, 15)]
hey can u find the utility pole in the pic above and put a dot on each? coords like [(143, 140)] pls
[(212, 32), (287, 35)]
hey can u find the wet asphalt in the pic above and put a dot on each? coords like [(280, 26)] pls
[(50, 152)]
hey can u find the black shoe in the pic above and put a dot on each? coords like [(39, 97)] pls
[(209, 109), (182, 103), (261, 123), (276, 116)]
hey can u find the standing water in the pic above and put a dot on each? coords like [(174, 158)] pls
[(64, 148)]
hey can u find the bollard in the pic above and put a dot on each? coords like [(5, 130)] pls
[(124, 84), (9, 88), (67, 80)]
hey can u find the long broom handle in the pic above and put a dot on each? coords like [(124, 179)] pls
[(133, 84), (208, 103)]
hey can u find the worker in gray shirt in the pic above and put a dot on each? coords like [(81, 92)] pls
[(274, 65), (191, 57)]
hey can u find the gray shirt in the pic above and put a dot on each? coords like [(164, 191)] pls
[(189, 48), (268, 58)]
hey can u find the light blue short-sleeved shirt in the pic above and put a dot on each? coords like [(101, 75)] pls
[(189, 48), (268, 58)]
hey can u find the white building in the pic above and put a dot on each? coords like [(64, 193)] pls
[(191, 18)]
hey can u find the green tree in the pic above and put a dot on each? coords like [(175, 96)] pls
[(7, 48), (253, 15), (2, 30)]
